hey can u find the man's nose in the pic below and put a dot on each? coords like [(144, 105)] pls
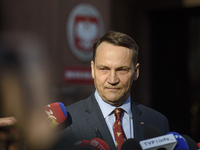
[(113, 78)]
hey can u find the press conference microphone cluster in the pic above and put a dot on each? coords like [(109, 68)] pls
[(94, 144), (57, 115)]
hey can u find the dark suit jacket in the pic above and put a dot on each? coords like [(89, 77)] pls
[(86, 116)]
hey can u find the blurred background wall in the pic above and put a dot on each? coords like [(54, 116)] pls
[(167, 32)]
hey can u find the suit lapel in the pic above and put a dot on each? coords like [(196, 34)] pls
[(96, 120), (138, 121)]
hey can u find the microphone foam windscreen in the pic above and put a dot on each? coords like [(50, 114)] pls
[(99, 144), (82, 143), (131, 144), (56, 111), (181, 142), (151, 132), (191, 143), (198, 144), (62, 107), (57, 115)]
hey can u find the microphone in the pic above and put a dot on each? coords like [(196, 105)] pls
[(151, 132), (131, 144), (198, 144), (181, 142), (82, 145), (98, 144), (57, 115), (191, 143), (165, 142)]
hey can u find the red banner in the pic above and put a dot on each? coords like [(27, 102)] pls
[(78, 75)]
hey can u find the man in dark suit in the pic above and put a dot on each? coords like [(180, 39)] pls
[(114, 68)]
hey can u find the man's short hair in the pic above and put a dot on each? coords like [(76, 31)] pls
[(118, 39)]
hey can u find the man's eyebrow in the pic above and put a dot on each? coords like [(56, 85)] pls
[(102, 66), (123, 67)]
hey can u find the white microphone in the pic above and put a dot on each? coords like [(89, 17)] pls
[(165, 142)]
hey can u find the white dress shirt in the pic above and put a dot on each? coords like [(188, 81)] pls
[(126, 120)]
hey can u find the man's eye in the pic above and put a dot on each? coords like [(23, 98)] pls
[(103, 69), (122, 69)]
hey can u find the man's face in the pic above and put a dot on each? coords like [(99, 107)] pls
[(113, 73)]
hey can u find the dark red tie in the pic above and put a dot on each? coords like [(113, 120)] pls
[(120, 136)]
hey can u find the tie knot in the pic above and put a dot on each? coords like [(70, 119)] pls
[(118, 113)]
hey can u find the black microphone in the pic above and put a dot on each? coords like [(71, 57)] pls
[(131, 144), (151, 132), (191, 143)]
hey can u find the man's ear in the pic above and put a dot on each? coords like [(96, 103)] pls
[(136, 72), (92, 69)]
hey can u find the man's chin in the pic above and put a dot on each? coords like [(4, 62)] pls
[(113, 101)]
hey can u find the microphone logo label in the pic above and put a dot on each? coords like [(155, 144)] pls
[(50, 114), (94, 143), (157, 142)]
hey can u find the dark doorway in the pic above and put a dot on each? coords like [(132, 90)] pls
[(170, 81)]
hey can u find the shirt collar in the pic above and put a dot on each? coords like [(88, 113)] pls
[(107, 108)]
